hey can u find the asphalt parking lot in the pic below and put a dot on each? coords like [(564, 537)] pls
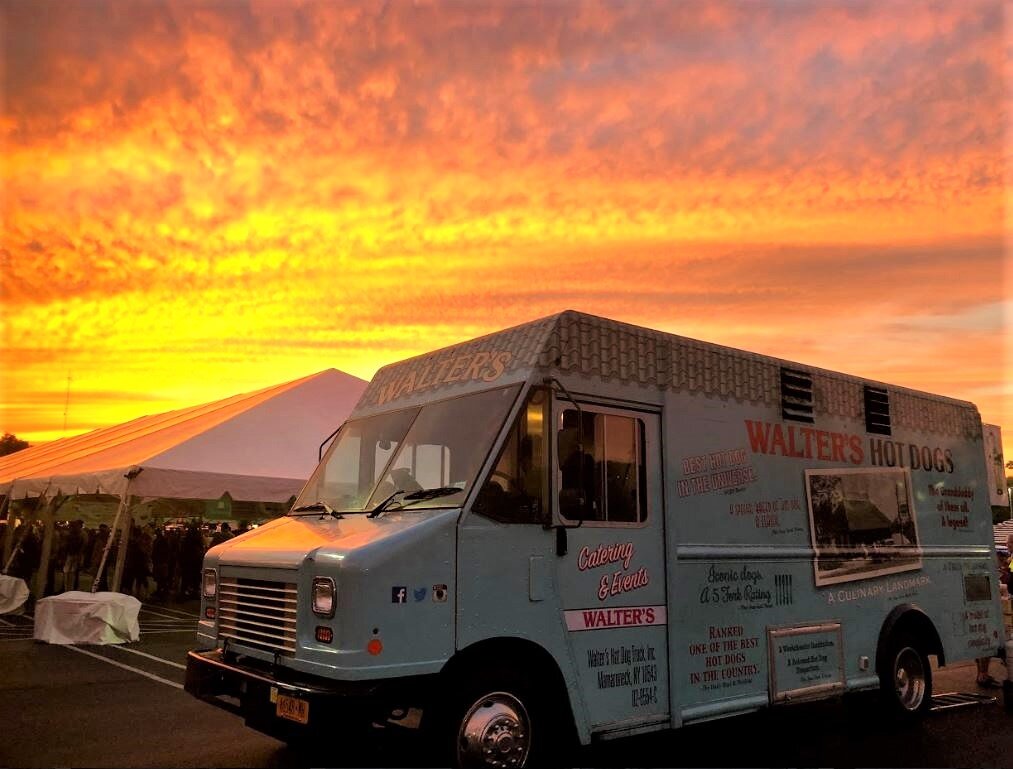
[(124, 706)]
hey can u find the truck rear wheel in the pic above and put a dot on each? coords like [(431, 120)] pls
[(906, 681)]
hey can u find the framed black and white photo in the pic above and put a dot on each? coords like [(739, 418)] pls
[(862, 523)]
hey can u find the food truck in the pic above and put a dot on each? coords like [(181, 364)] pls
[(580, 529)]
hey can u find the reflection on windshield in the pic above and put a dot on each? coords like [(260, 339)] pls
[(439, 445)]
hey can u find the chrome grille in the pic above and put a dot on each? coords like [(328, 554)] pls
[(258, 613)]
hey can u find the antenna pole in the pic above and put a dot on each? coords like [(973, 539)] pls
[(66, 404)]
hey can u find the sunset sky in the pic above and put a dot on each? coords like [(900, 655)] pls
[(201, 199)]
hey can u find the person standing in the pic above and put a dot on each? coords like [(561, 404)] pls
[(175, 538), (88, 538), (191, 558), (224, 534), (73, 547), (5, 534), (27, 553), (58, 555), (160, 564), (984, 679), (131, 563)]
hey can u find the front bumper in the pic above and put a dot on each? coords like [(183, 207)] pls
[(253, 690)]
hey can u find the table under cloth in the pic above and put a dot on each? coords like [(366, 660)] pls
[(13, 594), (77, 617)]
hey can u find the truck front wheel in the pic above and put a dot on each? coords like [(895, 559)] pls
[(906, 682), (494, 731), (491, 719)]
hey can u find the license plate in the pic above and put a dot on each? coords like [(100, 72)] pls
[(293, 709)]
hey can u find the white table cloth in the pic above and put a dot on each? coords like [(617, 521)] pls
[(13, 594), (77, 617)]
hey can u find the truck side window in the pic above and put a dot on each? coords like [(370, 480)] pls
[(515, 489), (603, 478)]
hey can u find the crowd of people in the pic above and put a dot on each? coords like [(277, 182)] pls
[(162, 562)]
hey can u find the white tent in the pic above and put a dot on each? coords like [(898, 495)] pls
[(258, 446)]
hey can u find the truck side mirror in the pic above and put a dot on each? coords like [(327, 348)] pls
[(560, 541)]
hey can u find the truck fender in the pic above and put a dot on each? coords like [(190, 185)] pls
[(520, 653), (909, 618)]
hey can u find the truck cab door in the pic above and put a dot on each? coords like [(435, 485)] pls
[(611, 580), (505, 550)]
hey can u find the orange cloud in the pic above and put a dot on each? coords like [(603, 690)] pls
[(201, 199)]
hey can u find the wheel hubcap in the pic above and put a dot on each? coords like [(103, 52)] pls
[(909, 678), (495, 732)]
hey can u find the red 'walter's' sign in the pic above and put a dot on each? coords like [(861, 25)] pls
[(624, 616)]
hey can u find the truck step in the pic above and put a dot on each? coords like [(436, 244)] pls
[(952, 700)]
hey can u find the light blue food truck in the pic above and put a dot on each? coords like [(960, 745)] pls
[(580, 529)]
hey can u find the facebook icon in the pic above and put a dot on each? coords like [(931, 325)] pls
[(399, 594)]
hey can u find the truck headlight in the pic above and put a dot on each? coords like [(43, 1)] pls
[(323, 596), (209, 585)]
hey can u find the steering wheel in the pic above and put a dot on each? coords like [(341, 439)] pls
[(404, 481), (510, 481)]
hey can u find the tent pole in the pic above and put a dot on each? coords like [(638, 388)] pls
[(49, 521), (17, 547), (121, 555), (124, 497), (28, 519), (6, 554)]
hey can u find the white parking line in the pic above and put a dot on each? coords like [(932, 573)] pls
[(144, 673), (166, 616), (163, 618), (176, 611), (149, 656), (160, 628), (181, 630)]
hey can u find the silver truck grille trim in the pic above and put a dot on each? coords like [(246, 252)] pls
[(258, 613)]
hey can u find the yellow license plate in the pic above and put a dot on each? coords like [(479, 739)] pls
[(293, 709)]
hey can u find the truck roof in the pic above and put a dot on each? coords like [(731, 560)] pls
[(575, 343)]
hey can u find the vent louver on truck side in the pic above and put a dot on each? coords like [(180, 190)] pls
[(796, 395), (877, 410)]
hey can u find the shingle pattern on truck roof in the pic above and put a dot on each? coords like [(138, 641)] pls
[(590, 346), (594, 346)]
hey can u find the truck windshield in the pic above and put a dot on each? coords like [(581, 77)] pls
[(437, 445)]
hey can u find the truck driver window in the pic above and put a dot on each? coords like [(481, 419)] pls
[(355, 460), (437, 445), (515, 489), (445, 447), (602, 478)]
